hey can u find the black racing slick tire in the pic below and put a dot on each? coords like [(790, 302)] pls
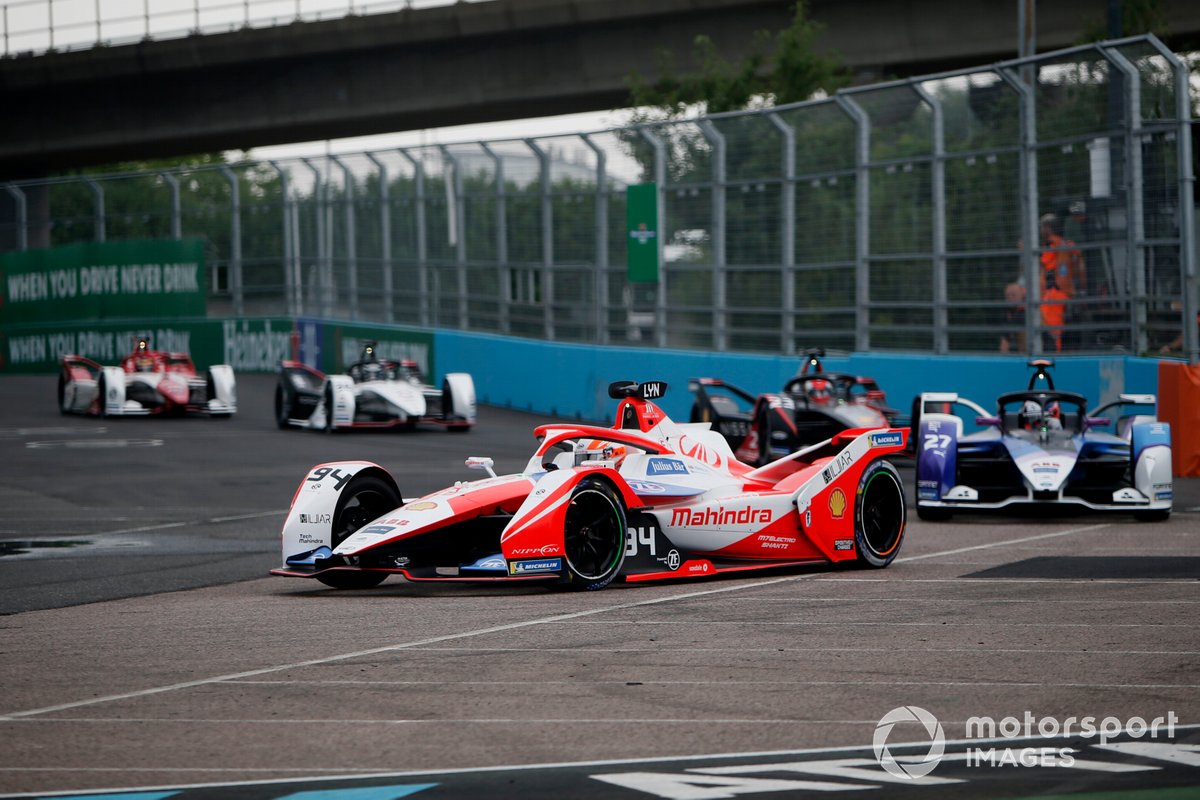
[(329, 426), (1155, 515), (102, 393), (365, 498), (283, 407), (879, 515), (62, 394), (594, 535)]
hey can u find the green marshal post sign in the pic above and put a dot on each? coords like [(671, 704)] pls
[(103, 280), (641, 204)]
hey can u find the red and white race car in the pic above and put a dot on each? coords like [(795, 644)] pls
[(647, 499), (147, 382)]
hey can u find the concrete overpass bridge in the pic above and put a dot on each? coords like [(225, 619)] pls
[(450, 65)]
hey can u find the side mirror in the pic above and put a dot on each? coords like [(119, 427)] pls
[(1096, 422), (993, 421), (482, 462)]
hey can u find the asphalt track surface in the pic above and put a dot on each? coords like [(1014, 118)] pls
[(147, 651)]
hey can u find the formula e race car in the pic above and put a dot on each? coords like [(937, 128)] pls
[(147, 382), (374, 393), (647, 499), (813, 406), (1042, 449)]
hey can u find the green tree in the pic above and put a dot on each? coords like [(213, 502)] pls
[(783, 67)]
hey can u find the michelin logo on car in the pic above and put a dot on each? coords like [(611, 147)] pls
[(536, 566)]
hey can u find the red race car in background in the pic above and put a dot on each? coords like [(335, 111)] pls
[(647, 499), (147, 382)]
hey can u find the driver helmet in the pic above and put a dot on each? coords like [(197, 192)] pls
[(603, 450), (1031, 414), (142, 359), (819, 391)]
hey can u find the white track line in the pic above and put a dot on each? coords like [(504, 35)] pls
[(517, 625), (1007, 543)]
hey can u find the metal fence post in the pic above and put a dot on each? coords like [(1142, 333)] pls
[(660, 180), (862, 214), (351, 233), (1136, 234), (787, 238), (99, 223), (1029, 203), (719, 294), (321, 285), (547, 298), (22, 209), (941, 317), (235, 241), (385, 238), (1187, 216), (422, 243), (504, 270), (285, 212), (176, 210), (459, 212), (600, 284)]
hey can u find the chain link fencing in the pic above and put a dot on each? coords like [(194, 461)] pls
[(918, 215)]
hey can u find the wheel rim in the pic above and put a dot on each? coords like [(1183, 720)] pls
[(882, 513), (593, 535), (360, 508)]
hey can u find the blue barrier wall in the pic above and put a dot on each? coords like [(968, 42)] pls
[(571, 381)]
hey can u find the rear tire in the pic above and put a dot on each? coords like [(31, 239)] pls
[(365, 498), (283, 409), (594, 535), (879, 515)]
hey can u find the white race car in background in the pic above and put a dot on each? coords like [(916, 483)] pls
[(374, 393)]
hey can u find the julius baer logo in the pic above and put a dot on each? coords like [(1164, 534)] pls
[(1025, 741)]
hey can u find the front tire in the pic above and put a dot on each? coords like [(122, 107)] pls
[(1155, 515), (329, 426), (594, 535), (933, 514), (365, 498), (102, 394), (879, 515), (62, 394)]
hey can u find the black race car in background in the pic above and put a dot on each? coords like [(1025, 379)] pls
[(813, 406), (374, 393)]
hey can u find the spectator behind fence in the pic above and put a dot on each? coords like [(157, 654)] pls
[(1061, 259), (1054, 313)]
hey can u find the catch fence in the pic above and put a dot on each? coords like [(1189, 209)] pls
[(899, 216)]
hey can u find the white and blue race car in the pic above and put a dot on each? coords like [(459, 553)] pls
[(1042, 448)]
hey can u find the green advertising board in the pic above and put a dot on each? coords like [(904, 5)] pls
[(641, 211), (103, 280), (248, 345)]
